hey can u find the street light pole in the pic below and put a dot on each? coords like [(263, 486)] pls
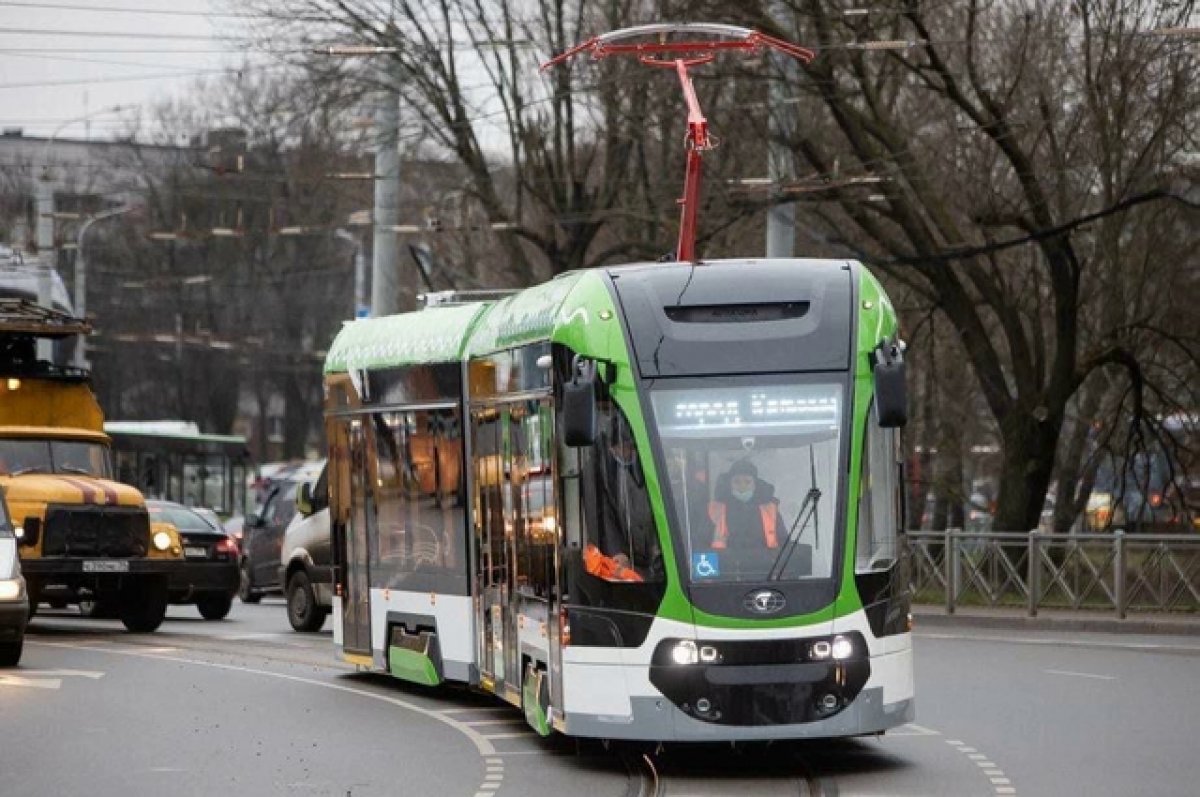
[(361, 309), (81, 276), (44, 185)]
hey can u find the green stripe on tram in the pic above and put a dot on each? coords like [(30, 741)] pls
[(411, 665)]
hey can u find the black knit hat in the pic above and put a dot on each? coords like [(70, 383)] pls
[(743, 466)]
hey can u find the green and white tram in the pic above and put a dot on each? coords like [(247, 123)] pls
[(654, 502)]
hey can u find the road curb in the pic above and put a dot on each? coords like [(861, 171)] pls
[(927, 617)]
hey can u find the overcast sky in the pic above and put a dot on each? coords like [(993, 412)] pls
[(60, 59)]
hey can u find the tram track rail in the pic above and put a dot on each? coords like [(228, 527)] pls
[(650, 775)]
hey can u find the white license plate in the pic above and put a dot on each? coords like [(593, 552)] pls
[(106, 566), (195, 553)]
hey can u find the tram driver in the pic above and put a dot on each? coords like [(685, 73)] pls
[(744, 511)]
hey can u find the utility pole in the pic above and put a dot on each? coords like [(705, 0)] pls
[(781, 218), (386, 286)]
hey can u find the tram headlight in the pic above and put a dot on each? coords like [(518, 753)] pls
[(162, 540), (685, 652), (842, 648), (838, 648)]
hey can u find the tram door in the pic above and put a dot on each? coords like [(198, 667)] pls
[(356, 603), (494, 545)]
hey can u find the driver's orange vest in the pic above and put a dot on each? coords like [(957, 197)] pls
[(717, 512)]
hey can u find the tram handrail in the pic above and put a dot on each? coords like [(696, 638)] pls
[(1117, 572)]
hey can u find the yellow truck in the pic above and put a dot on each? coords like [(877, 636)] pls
[(82, 536)]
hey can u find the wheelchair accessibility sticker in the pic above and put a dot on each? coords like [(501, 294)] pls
[(706, 565)]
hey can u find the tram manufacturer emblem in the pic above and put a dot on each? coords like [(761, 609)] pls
[(765, 601)]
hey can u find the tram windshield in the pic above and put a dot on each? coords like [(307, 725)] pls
[(753, 475)]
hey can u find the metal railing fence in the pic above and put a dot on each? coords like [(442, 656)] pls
[(1116, 572)]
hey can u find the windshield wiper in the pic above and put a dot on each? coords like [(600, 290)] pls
[(76, 469), (806, 513), (30, 469)]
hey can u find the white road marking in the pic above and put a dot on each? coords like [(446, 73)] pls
[(1081, 675), (477, 708), (522, 735), (31, 683), (81, 673), (1000, 783), (1077, 643), (244, 637), (912, 729), (481, 743), (484, 747), (510, 721)]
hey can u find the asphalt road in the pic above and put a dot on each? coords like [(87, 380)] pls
[(246, 706)]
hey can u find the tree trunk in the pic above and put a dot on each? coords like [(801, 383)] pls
[(1027, 464)]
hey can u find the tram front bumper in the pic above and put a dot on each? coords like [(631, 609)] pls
[(657, 719)]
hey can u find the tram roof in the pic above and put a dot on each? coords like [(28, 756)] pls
[(449, 333), (435, 334)]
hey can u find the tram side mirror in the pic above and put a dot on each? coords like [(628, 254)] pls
[(891, 390), (579, 405), (30, 532), (304, 499)]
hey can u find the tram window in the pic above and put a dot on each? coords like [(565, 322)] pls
[(535, 516), (418, 500), (753, 475), (878, 506), (621, 542)]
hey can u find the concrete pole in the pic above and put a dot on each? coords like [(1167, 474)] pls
[(781, 219), (44, 190), (386, 288)]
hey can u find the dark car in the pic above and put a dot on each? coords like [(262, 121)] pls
[(14, 603), (262, 536), (209, 575)]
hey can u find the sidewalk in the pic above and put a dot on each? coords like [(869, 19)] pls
[(935, 616)]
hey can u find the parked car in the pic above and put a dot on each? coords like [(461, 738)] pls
[(209, 576), (14, 602), (262, 537), (306, 563)]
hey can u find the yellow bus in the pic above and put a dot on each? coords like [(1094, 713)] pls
[(82, 535)]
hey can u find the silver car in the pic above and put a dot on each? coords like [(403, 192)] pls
[(14, 602)]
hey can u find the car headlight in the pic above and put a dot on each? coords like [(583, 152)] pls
[(685, 652), (162, 540), (10, 589)]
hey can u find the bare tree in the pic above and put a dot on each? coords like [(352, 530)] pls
[(565, 162)]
